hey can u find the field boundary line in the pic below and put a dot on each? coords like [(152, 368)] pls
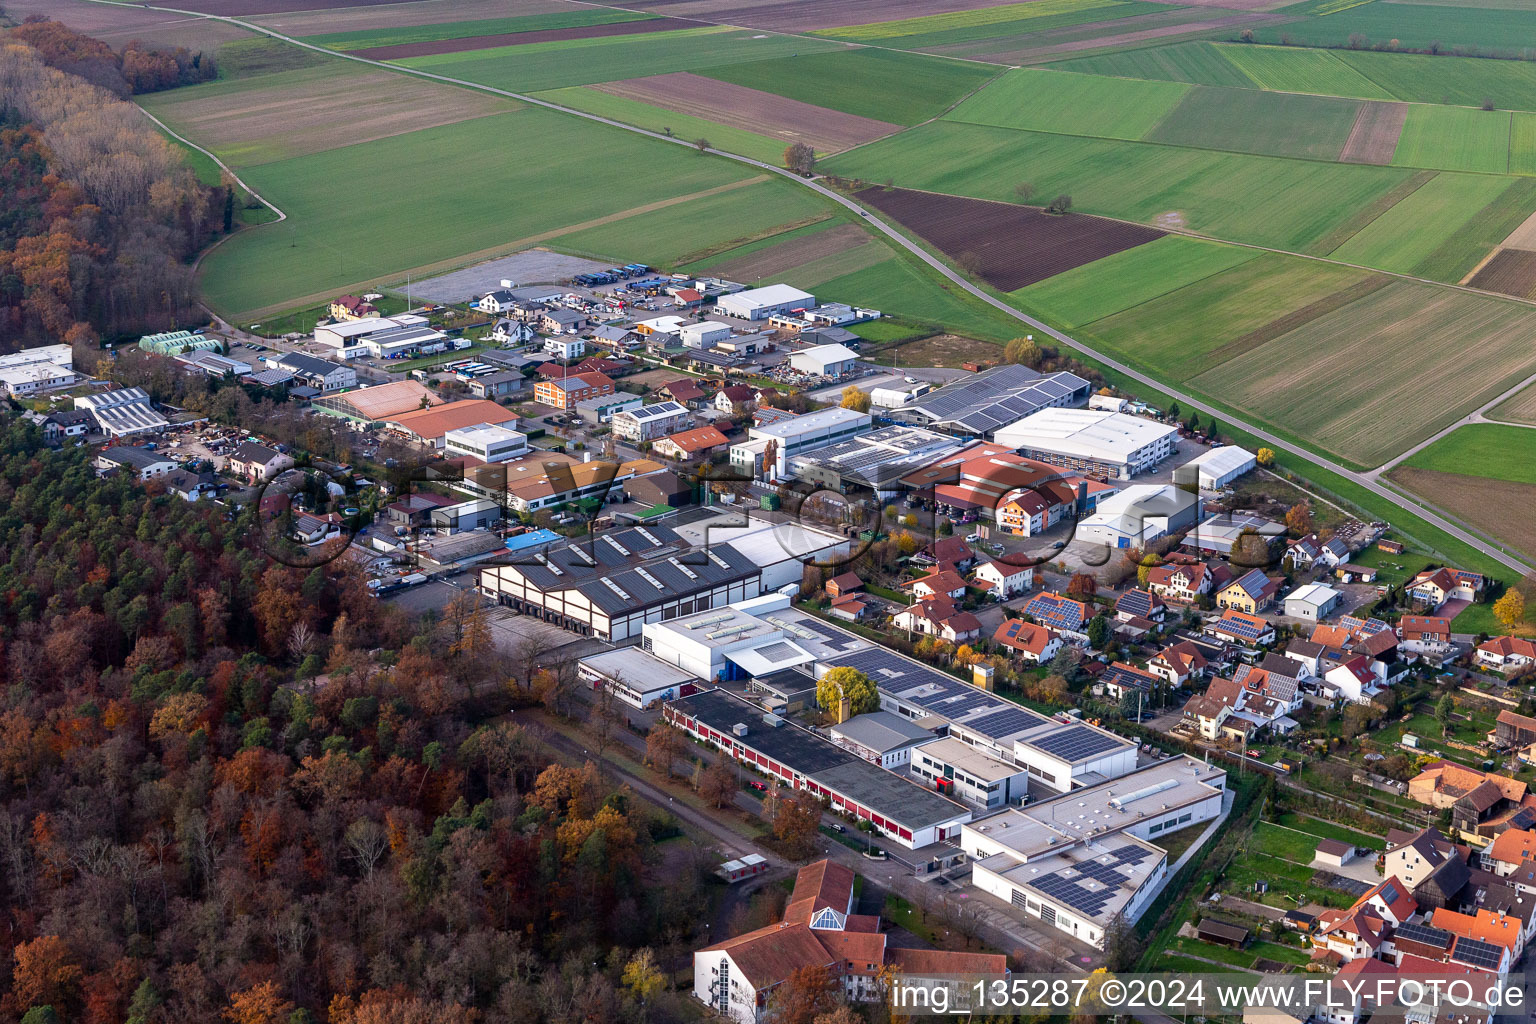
[(1433, 518), (1413, 498), (1170, 291)]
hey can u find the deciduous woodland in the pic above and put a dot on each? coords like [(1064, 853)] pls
[(101, 215), (234, 790)]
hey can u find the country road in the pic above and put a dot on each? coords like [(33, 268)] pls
[(1188, 401)]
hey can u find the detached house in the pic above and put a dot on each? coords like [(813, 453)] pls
[(943, 583), (1506, 653), (1251, 592), (1004, 580), (1424, 632), (1120, 679), (1031, 642), (947, 551), (939, 616), (1241, 628), (255, 463), (1062, 614), (1178, 664), (1182, 583), (1436, 586)]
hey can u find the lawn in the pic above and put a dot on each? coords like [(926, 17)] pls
[(1413, 229), (1286, 204), (1288, 844), (1126, 279), (1195, 63), (402, 34), (426, 202), (1463, 81), (1454, 139), (1328, 830), (903, 88), (554, 65), (1067, 104), (1178, 335), (1265, 123), (1288, 69), (1483, 449), (1367, 380), (657, 119)]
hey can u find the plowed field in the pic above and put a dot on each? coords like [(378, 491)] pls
[(1373, 140), (1009, 246), (1511, 272)]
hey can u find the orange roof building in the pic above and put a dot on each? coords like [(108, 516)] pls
[(429, 425)]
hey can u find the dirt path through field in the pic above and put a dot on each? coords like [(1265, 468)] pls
[(824, 129), (466, 259), (1373, 139)]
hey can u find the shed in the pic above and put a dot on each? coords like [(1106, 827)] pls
[(1299, 920), (1223, 933), (1334, 853), (1218, 467), (1313, 602)]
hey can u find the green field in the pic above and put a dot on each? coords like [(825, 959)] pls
[(1193, 63), (1414, 26), (1454, 139), (658, 119), (1368, 380), (1126, 279), (1329, 830), (1263, 123), (367, 38), (899, 285), (1483, 449), (1066, 104), (422, 208), (967, 33), (1522, 144), (903, 88), (248, 58), (554, 65), (1285, 69), (1468, 244), (1462, 81), (1178, 335), (1287, 204), (1414, 229)]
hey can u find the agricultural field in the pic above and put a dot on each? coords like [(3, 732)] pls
[(1373, 139), (658, 119), (808, 15), (776, 256), (1287, 204), (606, 30), (1367, 380), (423, 210), (1066, 104), (1509, 272), (1263, 123), (250, 121), (1500, 509), (1522, 143), (984, 23), (404, 35), (1007, 245), (1127, 279), (1168, 27), (1519, 409), (827, 131), (1495, 451), (1457, 81), (903, 286), (1415, 228), (1185, 332), (1286, 69), (885, 85), (1455, 139), (1194, 63), (555, 65), (307, 23), (1500, 222), (1415, 26), (119, 25)]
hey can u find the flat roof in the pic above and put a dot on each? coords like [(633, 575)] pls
[(1095, 882), (810, 422), (1313, 593), (1226, 459), (881, 731), (636, 669), (970, 760), (1088, 433), (890, 795), (485, 433)]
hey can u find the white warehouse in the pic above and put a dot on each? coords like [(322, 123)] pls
[(1216, 468), (813, 430), (705, 334), (762, 303), (1107, 444), (826, 360)]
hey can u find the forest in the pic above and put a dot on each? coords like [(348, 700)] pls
[(101, 215), (231, 790)]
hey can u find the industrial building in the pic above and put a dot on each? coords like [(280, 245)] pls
[(348, 336), (978, 405), (41, 368), (1106, 444), (428, 426), (885, 738), (1215, 469), (959, 770), (825, 360), (906, 813), (1313, 602), (485, 442), (814, 430), (1083, 862), (781, 546), (649, 422), (724, 645), (875, 461), (318, 373), (611, 586), (465, 516), (762, 303), (637, 679), (371, 406), (170, 343), (704, 334), (123, 412), (1139, 515)]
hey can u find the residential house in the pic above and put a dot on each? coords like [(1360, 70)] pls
[(947, 551), (350, 307), (190, 486), (1501, 931), (691, 444), (1251, 592), (312, 529), (1436, 586), (1304, 551), (1333, 552), (1119, 679), (1002, 580), (564, 349), (737, 396), (1506, 653), (685, 392), (939, 616), (255, 463), (1182, 583), (1361, 932), (1178, 664), (512, 332), (1143, 604), (939, 583), (1241, 628), (1063, 614), (649, 422), (1429, 633), (565, 392), (563, 321), (500, 301), (1353, 681), (67, 423), (1030, 641), (1207, 713)]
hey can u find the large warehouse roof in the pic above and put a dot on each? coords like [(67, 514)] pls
[(1086, 433), (385, 400), (810, 423), (992, 398), (430, 423)]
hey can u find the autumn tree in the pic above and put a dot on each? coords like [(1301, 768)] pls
[(806, 994), (1082, 586), (1265, 457), (855, 399), (717, 783), (800, 158), (796, 821), (1022, 351), (1509, 609), (847, 683), (1298, 519), (663, 746), (642, 976)]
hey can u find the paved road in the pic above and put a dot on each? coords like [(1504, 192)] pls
[(1475, 416), (1186, 400)]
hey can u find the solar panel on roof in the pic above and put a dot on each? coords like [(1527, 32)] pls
[(1003, 723), (1425, 934), (1075, 743), (1477, 953)]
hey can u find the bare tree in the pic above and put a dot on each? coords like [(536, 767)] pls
[(367, 840)]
